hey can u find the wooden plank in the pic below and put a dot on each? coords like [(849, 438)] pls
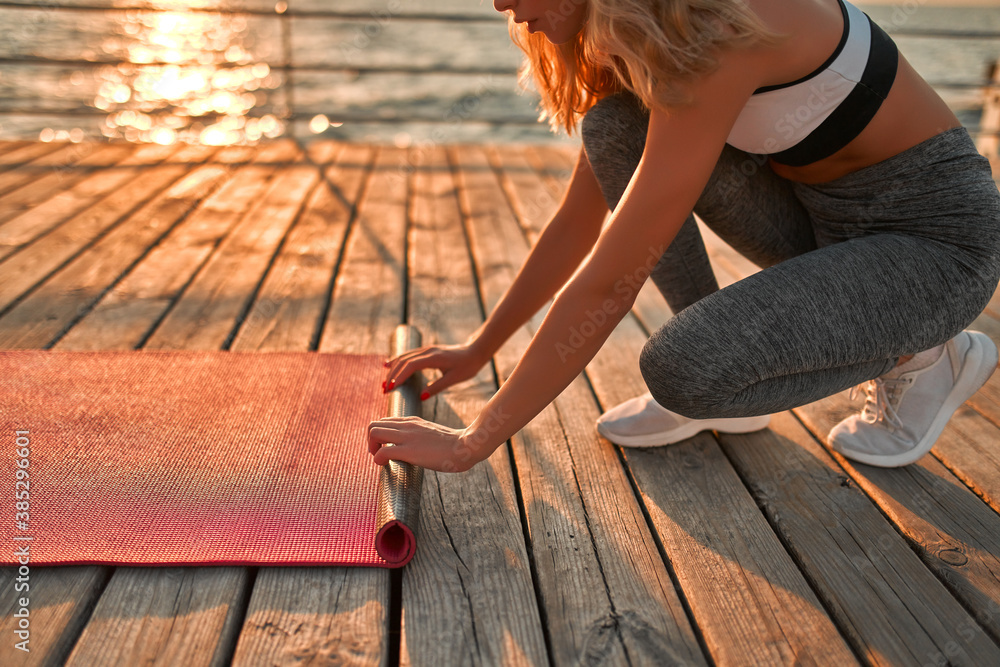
[(368, 293), (209, 600), (467, 595), (987, 400), (125, 315), (889, 605), (35, 222), (331, 614), (533, 197), (971, 454), (291, 300), (607, 595), (748, 598), (60, 600), (40, 185), (19, 155), (40, 219), (144, 610), (62, 299), (10, 145), (218, 296), (36, 261), (952, 530), (28, 163)]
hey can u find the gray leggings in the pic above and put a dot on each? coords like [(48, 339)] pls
[(890, 260)]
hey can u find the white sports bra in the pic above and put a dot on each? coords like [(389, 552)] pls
[(812, 118)]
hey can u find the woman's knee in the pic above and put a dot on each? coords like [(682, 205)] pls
[(682, 385)]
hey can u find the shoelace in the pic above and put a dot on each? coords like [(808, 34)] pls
[(881, 400)]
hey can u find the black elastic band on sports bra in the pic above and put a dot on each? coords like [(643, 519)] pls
[(826, 63), (853, 114)]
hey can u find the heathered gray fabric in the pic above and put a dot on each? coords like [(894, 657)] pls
[(890, 260)]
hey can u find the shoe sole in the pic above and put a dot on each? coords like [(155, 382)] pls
[(980, 363), (733, 425)]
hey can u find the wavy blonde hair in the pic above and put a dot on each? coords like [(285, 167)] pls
[(653, 48)]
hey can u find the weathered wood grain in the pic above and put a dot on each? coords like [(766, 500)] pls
[(18, 153), (69, 293), (41, 186), (363, 316), (749, 600), (27, 164), (889, 605), (320, 615), (144, 611), (533, 193), (214, 302), (972, 454), (126, 313), (40, 219), (26, 262), (129, 311), (60, 601), (467, 595), (587, 531), (290, 302), (953, 531)]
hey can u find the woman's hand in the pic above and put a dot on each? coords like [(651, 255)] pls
[(456, 363), (422, 443)]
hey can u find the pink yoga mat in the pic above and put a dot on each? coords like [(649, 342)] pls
[(198, 458)]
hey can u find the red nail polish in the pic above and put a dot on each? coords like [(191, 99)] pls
[(383, 385), (385, 364), (424, 396), (391, 385)]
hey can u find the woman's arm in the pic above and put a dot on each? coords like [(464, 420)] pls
[(681, 152), (562, 245)]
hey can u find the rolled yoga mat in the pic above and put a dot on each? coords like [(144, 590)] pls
[(202, 458)]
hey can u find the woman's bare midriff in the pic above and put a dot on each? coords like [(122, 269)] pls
[(911, 113)]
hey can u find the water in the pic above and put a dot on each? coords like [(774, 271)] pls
[(198, 71)]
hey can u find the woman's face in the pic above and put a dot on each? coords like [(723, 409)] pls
[(558, 20)]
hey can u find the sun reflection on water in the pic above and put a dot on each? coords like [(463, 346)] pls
[(187, 77)]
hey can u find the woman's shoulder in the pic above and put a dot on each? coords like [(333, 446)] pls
[(810, 31)]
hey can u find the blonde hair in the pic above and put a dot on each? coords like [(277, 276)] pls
[(653, 48)]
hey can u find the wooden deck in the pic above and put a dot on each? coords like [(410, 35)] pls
[(734, 550)]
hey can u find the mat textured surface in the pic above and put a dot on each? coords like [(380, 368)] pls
[(184, 458)]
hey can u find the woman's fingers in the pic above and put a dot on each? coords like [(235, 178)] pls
[(442, 383), (387, 431), (413, 440), (402, 367)]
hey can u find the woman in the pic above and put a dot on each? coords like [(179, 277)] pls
[(797, 132)]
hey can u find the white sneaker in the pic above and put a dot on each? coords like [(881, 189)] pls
[(642, 422), (905, 413)]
